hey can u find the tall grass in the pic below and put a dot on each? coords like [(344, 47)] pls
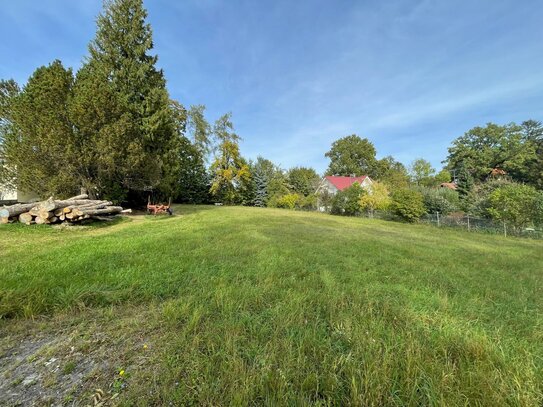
[(270, 307)]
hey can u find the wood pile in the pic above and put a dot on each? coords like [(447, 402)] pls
[(52, 211)]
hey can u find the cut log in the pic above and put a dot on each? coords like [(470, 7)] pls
[(48, 205), (15, 210), (100, 205), (26, 218), (106, 211), (73, 209), (74, 198), (52, 205), (45, 214), (41, 221), (76, 212), (85, 202)]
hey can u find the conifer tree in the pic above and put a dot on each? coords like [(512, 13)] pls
[(464, 187), (9, 89), (121, 108), (261, 188), (193, 185), (465, 182), (38, 139)]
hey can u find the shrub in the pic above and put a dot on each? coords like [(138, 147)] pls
[(440, 200), (289, 201), (516, 204), (347, 202), (479, 197), (408, 204), (377, 199), (309, 202)]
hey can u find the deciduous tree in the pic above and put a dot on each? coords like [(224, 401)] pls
[(514, 204), (422, 172), (303, 180), (408, 204), (229, 170), (351, 155), (482, 149), (392, 173), (377, 199), (347, 202)]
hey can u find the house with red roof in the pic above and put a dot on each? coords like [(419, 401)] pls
[(331, 184)]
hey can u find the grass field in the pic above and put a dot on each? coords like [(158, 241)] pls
[(248, 306)]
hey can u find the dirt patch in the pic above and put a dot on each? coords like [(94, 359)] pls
[(45, 371), (71, 361)]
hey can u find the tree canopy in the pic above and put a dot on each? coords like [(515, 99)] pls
[(351, 155), (37, 135), (509, 147), (303, 180)]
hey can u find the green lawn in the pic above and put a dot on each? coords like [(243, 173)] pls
[(248, 306)]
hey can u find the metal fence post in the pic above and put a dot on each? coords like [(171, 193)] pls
[(437, 213), (468, 223)]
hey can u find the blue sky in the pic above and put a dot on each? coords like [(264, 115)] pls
[(409, 75)]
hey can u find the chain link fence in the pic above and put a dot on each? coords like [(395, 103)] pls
[(468, 223), (481, 225)]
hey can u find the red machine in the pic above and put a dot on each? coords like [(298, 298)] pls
[(159, 208)]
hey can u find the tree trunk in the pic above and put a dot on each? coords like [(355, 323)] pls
[(105, 211), (15, 210)]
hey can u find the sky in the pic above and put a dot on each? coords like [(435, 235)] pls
[(409, 75)]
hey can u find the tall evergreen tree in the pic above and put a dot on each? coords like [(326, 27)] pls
[(261, 188), (38, 139), (464, 185), (194, 183), (122, 110), (9, 89)]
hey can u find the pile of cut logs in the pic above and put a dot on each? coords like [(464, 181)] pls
[(51, 211)]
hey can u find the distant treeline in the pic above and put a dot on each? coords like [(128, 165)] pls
[(112, 129)]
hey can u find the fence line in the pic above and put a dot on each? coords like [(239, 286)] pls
[(469, 223)]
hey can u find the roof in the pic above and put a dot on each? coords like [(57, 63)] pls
[(497, 172), (344, 182), (450, 185)]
